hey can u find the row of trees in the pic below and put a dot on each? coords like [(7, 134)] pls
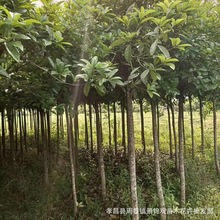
[(62, 55)]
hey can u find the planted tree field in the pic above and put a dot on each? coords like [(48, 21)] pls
[(109, 109)]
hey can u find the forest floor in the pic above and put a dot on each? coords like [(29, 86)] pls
[(24, 197)]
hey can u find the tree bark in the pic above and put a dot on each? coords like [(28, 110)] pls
[(58, 138), (175, 138), (109, 128), (100, 153), (202, 125), (215, 136), (45, 150), (91, 129), (142, 127), (86, 128), (157, 158), (181, 155), (131, 155), (123, 127), (115, 129), (72, 166), (192, 127), (20, 133), (3, 132), (170, 132)]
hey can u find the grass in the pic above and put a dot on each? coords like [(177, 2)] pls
[(23, 196)]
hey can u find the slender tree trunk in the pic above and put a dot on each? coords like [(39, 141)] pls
[(11, 133), (45, 150), (31, 118), (109, 128), (181, 155), (192, 127), (123, 127), (15, 124), (157, 159), (170, 132), (61, 127), (20, 133), (184, 136), (131, 155), (76, 134), (86, 128), (100, 152), (175, 138), (158, 123), (58, 138), (215, 136), (72, 135), (202, 125), (25, 129), (3, 132), (91, 129), (72, 166), (142, 126), (115, 129), (48, 119), (38, 132)]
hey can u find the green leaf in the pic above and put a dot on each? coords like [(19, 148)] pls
[(51, 62), (175, 41), (118, 42), (153, 47), (18, 44), (164, 51), (171, 65), (144, 75), (87, 88), (128, 53), (31, 21), (20, 36), (13, 51), (47, 42), (3, 72)]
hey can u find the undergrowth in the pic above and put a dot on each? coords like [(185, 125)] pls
[(24, 197)]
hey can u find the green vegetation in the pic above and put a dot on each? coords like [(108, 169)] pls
[(23, 195), (107, 105)]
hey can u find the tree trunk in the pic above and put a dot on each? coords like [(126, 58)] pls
[(11, 133), (37, 131), (202, 125), (15, 118), (170, 132), (183, 128), (181, 155), (158, 123), (58, 138), (157, 159), (20, 133), (115, 128), (123, 127), (131, 155), (192, 127), (3, 132), (142, 126), (25, 129), (109, 128), (44, 144), (100, 153), (175, 138), (48, 119), (215, 136), (76, 133), (86, 128), (91, 129), (72, 166)]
